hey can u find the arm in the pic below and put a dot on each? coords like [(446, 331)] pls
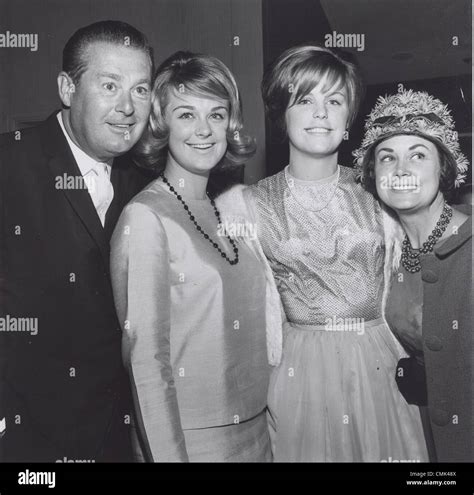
[(141, 283), (238, 205)]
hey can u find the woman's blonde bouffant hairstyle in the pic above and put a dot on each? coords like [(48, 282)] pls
[(202, 76)]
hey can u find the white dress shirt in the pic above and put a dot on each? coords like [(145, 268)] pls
[(96, 176)]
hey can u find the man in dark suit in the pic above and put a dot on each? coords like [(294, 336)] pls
[(64, 395)]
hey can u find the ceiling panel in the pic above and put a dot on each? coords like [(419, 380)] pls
[(406, 39)]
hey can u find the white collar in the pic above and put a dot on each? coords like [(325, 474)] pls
[(83, 160)]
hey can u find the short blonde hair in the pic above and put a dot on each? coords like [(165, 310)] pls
[(298, 70), (199, 75)]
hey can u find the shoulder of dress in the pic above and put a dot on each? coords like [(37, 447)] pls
[(347, 170), (153, 192), (153, 198), (140, 219), (350, 175), (268, 185)]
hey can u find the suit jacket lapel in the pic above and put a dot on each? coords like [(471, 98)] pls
[(62, 164), (116, 206)]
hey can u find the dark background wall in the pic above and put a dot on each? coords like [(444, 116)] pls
[(407, 42), (286, 25)]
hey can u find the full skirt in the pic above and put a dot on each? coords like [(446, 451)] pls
[(334, 398)]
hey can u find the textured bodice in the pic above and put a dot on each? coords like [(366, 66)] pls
[(324, 242)]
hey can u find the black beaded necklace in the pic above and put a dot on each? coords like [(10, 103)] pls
[(199, 228), (411, 257)]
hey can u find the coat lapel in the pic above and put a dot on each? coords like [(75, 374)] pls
[(62, 164), (116, 206)]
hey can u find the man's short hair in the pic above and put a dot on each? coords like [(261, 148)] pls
[(115, 32)]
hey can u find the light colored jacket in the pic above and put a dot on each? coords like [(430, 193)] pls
[(393, 239), (236, 209)]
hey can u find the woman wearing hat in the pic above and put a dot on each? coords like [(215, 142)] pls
[(411, 161)]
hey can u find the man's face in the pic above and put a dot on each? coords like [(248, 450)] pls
[(109, 107)]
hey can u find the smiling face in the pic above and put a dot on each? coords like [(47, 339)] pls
[(316, 122), (109, 107), (197, 131), (407, 172)]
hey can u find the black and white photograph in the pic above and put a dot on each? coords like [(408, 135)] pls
[(236, 234)]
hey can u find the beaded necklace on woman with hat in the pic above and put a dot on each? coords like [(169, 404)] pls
[(418, 114), (410, 256)]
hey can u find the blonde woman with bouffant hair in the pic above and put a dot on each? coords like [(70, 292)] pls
[(190, 297), (200, 75)]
